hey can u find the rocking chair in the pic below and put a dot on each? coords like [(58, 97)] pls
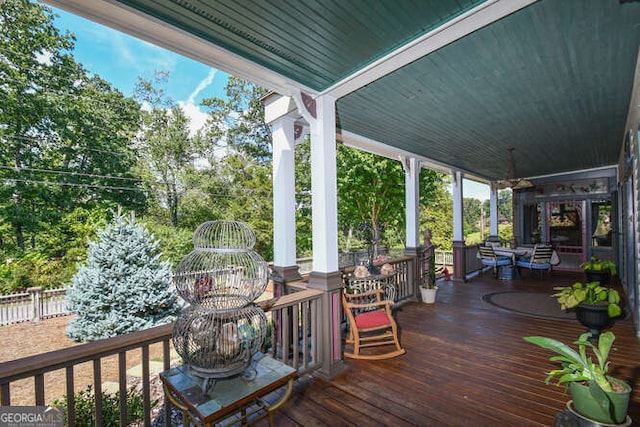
[(370, 325)]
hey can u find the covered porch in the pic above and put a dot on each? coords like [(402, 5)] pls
[(453, 88), (466, 364)]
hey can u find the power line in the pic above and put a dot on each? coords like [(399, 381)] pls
[(72, 184), (109, 187), (58, 172), (34, 139)]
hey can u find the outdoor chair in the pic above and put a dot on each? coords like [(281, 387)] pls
[(540, 260), (371, 324), (489, 258)]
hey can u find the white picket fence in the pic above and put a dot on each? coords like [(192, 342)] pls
[(36, 304), (33, 304)]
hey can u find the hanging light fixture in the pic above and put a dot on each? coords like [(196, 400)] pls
[(511, 181)]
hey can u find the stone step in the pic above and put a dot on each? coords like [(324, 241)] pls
[(154, 368), (110, 387)]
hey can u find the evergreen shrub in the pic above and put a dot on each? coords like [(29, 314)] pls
[(123, 286)]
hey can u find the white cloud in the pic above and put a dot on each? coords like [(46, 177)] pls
[(196, 116), (202, 85)]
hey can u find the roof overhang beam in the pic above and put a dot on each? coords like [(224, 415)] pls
[(449, 32), (135, 23), (376, 147)]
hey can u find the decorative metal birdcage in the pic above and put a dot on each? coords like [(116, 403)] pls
[(222, 329)]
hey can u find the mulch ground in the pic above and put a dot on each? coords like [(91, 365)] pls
[(29, 338)]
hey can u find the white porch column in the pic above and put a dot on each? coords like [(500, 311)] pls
[(321, 115), (493, 208), (284, 199), (412, 168), (280, 114), (324, 193), (458, 225), (412, 200), (459, 247)]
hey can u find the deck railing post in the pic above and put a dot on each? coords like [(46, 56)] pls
[(459, 261), (414, 270), (36, 309), (329, 322)]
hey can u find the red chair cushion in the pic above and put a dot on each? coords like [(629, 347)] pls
[(371, 319)]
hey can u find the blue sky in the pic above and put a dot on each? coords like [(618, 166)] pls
[(120, 59)]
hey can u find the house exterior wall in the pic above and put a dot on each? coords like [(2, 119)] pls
[(580, 191)]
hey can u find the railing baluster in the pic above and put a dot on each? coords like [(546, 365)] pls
[(71, 397), (122, 386), (166, 358), (296, 333), (5, 394), (97, 384), (146, 389), (39, 385), (286, 334), (305, 331), (315, 339)]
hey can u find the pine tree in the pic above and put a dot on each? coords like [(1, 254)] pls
[(123, 286)]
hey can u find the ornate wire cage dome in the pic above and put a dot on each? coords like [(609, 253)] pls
[(218, 344), (223, 271), (222, 329)]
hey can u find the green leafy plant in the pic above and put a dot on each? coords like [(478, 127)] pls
[(429, 282), (595, 264), (576, 365), (84, 407), (590, 293), (602, 397)]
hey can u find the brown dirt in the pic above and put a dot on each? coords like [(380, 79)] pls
[(29, 338)]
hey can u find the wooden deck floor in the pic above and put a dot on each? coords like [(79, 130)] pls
[(466, 365)]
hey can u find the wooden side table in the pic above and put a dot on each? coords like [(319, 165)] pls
[(228, 396)]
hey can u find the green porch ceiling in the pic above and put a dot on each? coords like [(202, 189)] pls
[(316, 43), (553, 79)]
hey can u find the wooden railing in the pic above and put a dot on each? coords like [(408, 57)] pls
[(404, 279), (444, 258), (69, 358), (296, 316)]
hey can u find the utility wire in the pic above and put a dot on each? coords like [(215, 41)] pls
[(90, 175), (109, 187)]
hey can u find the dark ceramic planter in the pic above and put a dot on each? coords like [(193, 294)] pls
[(571, 418), (595, 317), (601, 276)]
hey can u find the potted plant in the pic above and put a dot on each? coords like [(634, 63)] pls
[(428, 288), (598, 270), (595, 395), (595, 305)]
